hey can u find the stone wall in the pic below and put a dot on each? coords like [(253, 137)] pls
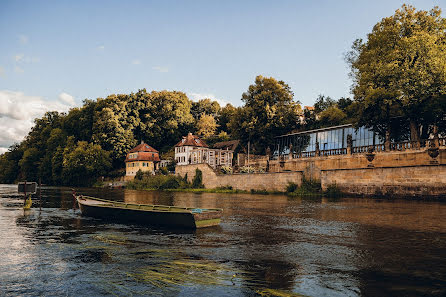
[(312, 166), (257, 181), (422, 180)]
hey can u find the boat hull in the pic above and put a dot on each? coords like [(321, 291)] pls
[(131, 213)]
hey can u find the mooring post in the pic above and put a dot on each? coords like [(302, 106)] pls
[(40, 193), (24, 191)]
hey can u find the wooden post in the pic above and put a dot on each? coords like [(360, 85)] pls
[(24, 200), (40, 193)]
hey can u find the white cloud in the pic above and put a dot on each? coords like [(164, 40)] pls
[(67, 98), (161, 69), (197, 96), (19, 57), (17, 69), (136, 62), (23, 39), (101, 47), (18, 111)]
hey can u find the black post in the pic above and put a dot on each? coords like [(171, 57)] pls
[(24, 200), (40, 193)]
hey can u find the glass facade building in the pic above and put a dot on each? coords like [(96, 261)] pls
[(328, 139)]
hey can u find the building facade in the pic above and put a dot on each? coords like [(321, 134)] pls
[(192, 150), (143, 157)]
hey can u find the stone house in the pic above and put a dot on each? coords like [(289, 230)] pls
[(143, 157)]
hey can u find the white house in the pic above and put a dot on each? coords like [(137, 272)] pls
[(192, 150)]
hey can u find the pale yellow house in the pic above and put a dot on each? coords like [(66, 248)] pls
[(143, 157)]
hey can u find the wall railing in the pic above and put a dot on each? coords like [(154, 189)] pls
[(394, 146)]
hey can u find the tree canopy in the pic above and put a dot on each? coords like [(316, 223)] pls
[(399, 72)]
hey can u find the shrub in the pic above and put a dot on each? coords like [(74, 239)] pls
[(261, 192), (332, 191), (224, 188), (139, 175), (164, 171), (197, 182), (246, 169), (291, 187), (226, 169)]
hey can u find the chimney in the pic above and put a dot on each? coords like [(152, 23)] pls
[(142, 141)]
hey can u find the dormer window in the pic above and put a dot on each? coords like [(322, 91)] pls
[(183, 141)]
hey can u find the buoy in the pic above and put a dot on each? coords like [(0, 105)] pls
[(28, 203)]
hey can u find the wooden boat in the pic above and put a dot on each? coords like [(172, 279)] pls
[(161, 215)]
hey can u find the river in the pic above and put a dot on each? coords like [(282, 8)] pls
[(268, 245)]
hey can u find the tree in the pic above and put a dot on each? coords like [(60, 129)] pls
[(322, 103), (400, 70), (83, 163), (224, 117), (206, 125), (332, 116), (206, 106), (269, 111)]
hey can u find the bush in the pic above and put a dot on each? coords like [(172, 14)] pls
[(292, 187), (224, 188), (246, 169), (164, 171), (308, 188), (139, 175), (332, 191), (261, 192), (158, 182), (197, 182), (226, 169)]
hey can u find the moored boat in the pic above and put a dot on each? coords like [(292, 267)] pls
[(161, 215)]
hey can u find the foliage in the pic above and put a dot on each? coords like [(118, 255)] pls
[(332, 191), (291, 187), (139, 174), (400, 71), (204, 106), (197, 181), (206, 125), (323, 103), (307, 188), (83, 163), (269, 110), (226, 169), (158, 182), (246, 169), (332, 116), (164, 171)]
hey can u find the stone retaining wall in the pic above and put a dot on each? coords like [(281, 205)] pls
[(256, 181), (424, 181)]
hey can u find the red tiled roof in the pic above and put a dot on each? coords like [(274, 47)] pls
[(145, 153), (144, 156), (143, 147), (191, 140)]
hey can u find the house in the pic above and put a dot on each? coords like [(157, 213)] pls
[(143, 157), (192, 150)]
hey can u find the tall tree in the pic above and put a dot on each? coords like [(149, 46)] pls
[(206, 125), (400, 70), (269, 111), (206, 106)]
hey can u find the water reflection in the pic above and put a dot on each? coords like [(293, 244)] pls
[(309, 246)]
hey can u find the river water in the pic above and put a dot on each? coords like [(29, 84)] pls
[(266, 245)]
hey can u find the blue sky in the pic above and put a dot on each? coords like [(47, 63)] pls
[(54, 54)]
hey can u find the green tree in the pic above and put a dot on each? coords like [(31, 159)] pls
[(332, 116), (400, 70), (224, 118), (84, 163), (269, 111), (206, 125), (206, 106)]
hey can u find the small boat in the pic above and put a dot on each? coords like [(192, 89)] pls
[(161, 215)]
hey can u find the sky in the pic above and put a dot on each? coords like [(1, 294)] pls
[(55, 54)]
